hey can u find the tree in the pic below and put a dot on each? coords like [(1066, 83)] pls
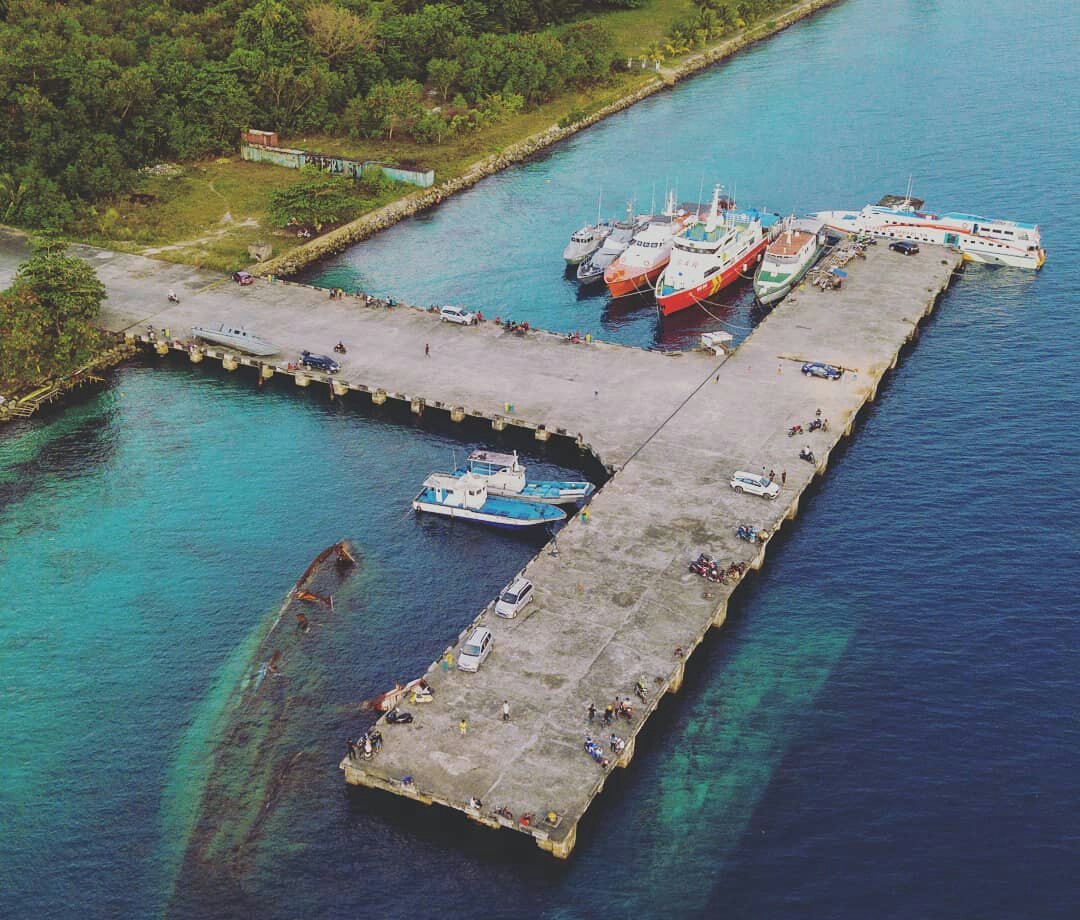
[(317, 199), (48, 315), (385, 108), (443, 73), (338, 33)]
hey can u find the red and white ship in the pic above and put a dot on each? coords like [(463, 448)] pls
[(711, 254), (638, 267)]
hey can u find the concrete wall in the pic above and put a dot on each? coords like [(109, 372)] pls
[(341, 166)]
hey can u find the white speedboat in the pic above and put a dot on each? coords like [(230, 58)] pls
[(789, 257), (585, 242), (235, 337), (622, 234), (980, 239), (466, 497), (504, 475)]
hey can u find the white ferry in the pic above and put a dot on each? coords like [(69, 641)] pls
[(788, 258), (980, 239)]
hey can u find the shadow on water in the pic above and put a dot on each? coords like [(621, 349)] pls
[(60, 445)]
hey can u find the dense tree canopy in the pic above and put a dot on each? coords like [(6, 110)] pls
[(47, 316), (93, 90)]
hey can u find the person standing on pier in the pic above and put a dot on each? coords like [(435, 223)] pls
[(351, 747), (506, 710), (592, 711), (427, 350), (463, 726)]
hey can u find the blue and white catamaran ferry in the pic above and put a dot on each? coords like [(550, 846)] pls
[(504, 476), (980, 239), (466, 497)]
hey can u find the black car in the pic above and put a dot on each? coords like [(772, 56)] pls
[(818, 369), (319, 362), (905, 247)]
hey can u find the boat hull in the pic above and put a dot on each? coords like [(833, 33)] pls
[(626, 284), (560, 496), (768, 294), (259, 349), (482, 517), (710, 287)]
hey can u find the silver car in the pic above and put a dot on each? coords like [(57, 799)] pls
[(476, 648)]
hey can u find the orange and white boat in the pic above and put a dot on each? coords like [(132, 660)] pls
[(638, 267)]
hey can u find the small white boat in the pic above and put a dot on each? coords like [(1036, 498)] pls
[(585, 242), (466, 497), (235, 337), (504, 476), (789, 257)]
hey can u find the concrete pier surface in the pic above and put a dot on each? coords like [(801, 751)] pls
[(615, 603), (480, 369)]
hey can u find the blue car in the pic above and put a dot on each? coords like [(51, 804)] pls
[(817, 369), (319, 362)]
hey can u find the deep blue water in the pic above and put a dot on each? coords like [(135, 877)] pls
[(888, 724)]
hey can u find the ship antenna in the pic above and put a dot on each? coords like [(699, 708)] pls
[(907, 198), (701, 191)]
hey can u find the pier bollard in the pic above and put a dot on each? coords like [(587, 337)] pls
[(303, 380), (378, 397), (541, 434), (162, 348), (417, 406), (457, 414), (195, 356), (230, 363), (498, 424), (339, 388)]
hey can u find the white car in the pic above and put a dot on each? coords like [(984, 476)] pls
[(514, 598), (476, 649), (457, 315), (741, 481)]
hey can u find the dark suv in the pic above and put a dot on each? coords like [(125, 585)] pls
[(904, 247), (319, 362)]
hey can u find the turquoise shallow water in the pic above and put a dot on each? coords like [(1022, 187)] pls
[(887, 725)]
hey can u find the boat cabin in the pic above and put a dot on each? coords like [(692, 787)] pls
[(468, 491)]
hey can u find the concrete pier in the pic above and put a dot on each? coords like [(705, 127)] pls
[(615, 603)]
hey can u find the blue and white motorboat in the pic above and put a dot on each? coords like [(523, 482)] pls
[(504, 476), (466, 497)]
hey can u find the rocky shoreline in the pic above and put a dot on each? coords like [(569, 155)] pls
[(367, 226)]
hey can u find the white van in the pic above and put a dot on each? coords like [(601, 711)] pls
[(514, 598), (476, 648)]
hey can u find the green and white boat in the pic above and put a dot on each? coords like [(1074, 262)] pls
[(788, 258)]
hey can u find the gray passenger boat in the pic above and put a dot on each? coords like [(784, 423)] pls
[(235, 337)]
